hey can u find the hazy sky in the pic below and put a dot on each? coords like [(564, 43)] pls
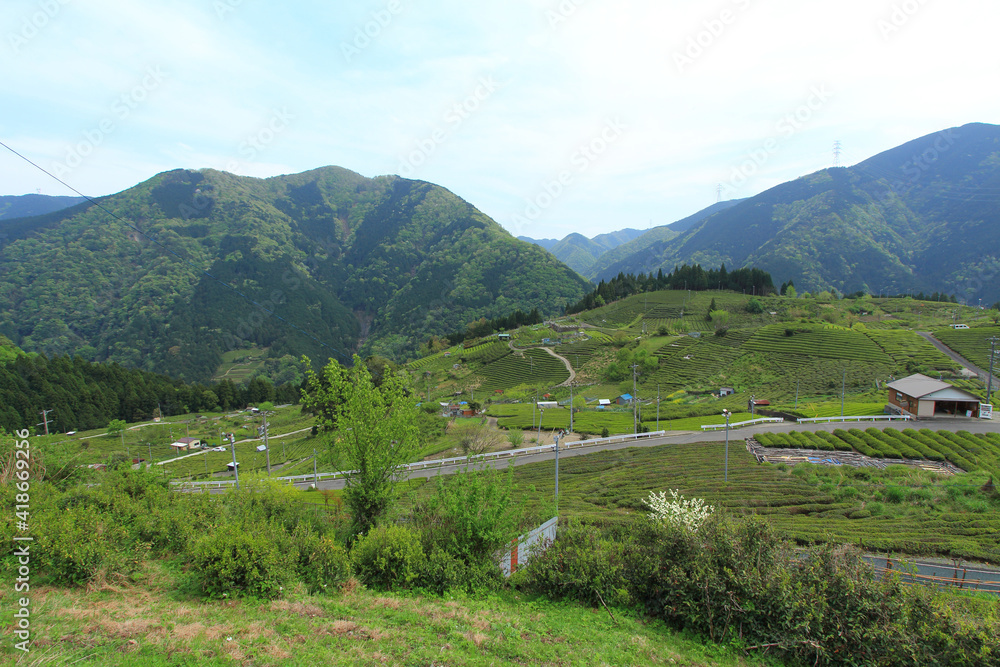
[(551, 116)]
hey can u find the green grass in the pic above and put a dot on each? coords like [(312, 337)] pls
[(153, 622)]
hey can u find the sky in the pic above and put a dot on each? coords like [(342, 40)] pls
[(550, 116)]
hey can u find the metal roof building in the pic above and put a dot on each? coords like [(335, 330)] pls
[(922, 396)]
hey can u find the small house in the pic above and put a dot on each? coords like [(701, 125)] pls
[(603, 403), (185, 444), (624, 399), (726, 391)]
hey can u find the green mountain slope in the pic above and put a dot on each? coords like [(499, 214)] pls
[(342, 262), (920, 217)]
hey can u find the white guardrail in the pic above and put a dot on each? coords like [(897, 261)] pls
[(863, 418), (762, 420), (454, 461)]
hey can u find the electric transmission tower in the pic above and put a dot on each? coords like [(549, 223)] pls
[(837, 150)]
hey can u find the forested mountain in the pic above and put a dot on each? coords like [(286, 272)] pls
[(579, 253), (22, 206), (345, 263), (920, 217)]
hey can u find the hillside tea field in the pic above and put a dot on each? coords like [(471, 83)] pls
[(899, 509)]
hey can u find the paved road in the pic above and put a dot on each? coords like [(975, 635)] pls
[(737, 436), (957, 357)]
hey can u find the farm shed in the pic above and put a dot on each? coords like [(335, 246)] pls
[(184, 444), (547, 405), (726, 391), (921, 396), (624, 399)]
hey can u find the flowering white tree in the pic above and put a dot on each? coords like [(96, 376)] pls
[(678, 512)]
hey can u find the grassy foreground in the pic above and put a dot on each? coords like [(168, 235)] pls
[(150, 623)]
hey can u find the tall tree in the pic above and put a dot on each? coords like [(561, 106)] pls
[(372, 430)]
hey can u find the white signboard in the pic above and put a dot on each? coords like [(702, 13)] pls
[(985, 411)]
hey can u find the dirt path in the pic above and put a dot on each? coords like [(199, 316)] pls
[(569, 366)]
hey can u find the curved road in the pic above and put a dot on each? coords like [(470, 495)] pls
[(737, 436)]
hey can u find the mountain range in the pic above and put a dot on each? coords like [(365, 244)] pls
[(23, 206), (580, 253), (920, 217), (173, 273)]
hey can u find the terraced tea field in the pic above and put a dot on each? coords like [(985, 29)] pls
[(534, 367), (904, 511), (805, 341), (910, 351), (970, 452), (973, 344), (688, 362)]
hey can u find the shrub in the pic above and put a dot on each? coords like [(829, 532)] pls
[(82, 544), (579, 565), (322, 563), (679, 513), (895, 494), (388, 556), (605, 433), (254, 559)]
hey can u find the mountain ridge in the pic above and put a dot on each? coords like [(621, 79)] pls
[(324, 263)]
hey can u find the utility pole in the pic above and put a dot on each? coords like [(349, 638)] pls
[(989, 382), (635, 401), (843, 388), (267, 450), (726, 413), (570, 413), (557, 473), (236, 468), (45, 420)]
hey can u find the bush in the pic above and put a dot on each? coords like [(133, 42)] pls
[(322, 563), (254, 559), (471, 515), (388, 556), (82, 544), (605, 433), (579, 565)]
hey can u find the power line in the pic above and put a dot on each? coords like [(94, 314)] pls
[(156, 242)]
